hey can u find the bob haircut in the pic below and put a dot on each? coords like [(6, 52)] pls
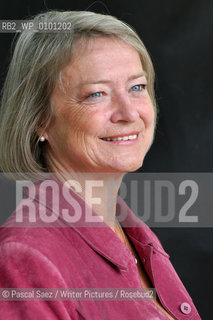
[(35, 68)]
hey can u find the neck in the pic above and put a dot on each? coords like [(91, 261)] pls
[(98, 190)]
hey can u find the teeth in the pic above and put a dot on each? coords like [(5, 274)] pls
[(132, 137)]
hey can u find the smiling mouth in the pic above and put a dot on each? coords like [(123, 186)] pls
[(121, 138)]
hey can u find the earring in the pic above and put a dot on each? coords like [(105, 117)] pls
[(42, 139)]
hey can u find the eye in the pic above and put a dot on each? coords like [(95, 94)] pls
[(139, 87), (96, 95)]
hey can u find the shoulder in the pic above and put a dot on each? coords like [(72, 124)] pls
[(35, 255)]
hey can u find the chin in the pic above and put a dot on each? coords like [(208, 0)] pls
[(135, 168), (130, 167)]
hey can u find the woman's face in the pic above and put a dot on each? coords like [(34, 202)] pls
[(103, 119)]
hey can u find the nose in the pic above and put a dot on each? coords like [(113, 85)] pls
[(123, 109)]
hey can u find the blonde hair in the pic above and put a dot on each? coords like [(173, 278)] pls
[(34, 70)]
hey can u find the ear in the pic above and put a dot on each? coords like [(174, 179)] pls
[(45, 135), (41, 134)]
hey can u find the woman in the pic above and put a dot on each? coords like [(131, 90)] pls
[(80, 105)]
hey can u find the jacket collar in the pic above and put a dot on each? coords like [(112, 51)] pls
[(97, 234)]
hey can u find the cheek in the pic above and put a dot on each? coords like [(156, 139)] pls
[(69, 120), (93, 120), (147, 112)]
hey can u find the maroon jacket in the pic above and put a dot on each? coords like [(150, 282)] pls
[(60, 254)]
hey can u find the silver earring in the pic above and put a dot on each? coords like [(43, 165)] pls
[(42, 139)]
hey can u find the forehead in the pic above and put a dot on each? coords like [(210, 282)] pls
[(93, 56)]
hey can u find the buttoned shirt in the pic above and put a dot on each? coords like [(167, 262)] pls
[(49, 242)]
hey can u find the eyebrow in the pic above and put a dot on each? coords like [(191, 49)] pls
[(133, 77)]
